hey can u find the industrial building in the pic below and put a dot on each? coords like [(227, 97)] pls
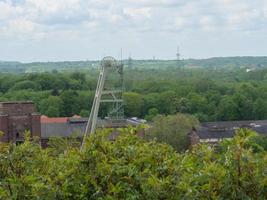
[(16, 118), (214, 132)]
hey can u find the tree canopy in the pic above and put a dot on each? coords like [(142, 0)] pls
[(132, 168), (209, 94)]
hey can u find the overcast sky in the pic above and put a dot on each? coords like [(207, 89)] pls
[(52, 30)]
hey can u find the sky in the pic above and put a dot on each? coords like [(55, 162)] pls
[(57, 30)]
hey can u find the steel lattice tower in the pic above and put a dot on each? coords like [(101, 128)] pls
[(178, 57), (109, 90)]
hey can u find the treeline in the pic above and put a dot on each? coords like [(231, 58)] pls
[(132, 168), (216, 62), (208, 94)]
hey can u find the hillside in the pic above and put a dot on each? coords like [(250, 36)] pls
[(217, 62)]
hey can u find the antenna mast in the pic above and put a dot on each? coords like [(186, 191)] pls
[(178, 55)]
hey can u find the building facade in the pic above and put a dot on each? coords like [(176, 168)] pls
[(16, 118)]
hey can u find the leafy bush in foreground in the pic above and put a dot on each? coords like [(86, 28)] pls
[(131, 168)]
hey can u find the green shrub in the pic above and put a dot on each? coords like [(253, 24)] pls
[(132, 168)]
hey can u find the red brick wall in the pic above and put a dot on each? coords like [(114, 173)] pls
[(4, 128), (17, 108), (18, 125), (19, 117)]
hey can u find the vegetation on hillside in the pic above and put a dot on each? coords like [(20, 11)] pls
[(208, 94), (216, 62), (132, 168)]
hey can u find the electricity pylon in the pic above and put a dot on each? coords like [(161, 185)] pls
[(107, 92)]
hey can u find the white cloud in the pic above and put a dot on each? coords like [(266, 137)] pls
[(81, 20), (21, 26), (179, 14), (208, 23), (137, 13), (8, 11)]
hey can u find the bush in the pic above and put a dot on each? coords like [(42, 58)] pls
[(131, 168), (173, 129)]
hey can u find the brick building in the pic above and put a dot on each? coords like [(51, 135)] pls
[(16, 118)]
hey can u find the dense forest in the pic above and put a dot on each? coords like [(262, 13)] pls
[(208, 93), (132, 168)]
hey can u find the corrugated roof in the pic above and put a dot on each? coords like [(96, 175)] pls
[(75, 126), (226, 129), (62, 130)]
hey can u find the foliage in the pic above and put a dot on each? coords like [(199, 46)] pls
[(208, 90), (172, 129), (134, 103), (152, 112), (132, 168)]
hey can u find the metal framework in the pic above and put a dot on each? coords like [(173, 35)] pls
[(108, 90), (178, 56)]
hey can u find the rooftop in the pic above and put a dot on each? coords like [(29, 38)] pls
[(45, 119), (66, 127), (226, 129), (16, 102)]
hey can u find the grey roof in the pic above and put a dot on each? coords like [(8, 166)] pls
[(77, 126), (16, 102), (62, 129), (226, 129)]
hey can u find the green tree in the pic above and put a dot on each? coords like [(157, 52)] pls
[(227, 109), (183, 105), (52, 112), (133, 104), (151, 100), (80, 77), (132, 168), (244, 107), (52, 106), (69, 98), (167, 102), (153, 112), (24, 85), (84, 113), (173, 129), (198, 103), (260, 109)]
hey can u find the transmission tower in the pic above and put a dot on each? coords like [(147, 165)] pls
[(179, 62), (130, 62), (108, 90), (178, 55)]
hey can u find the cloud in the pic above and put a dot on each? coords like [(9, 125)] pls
[(137, 13), (82, 20), (203, 15)]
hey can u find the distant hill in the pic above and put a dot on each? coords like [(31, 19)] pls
[(245, 61), (11, 67), (216, 62)]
